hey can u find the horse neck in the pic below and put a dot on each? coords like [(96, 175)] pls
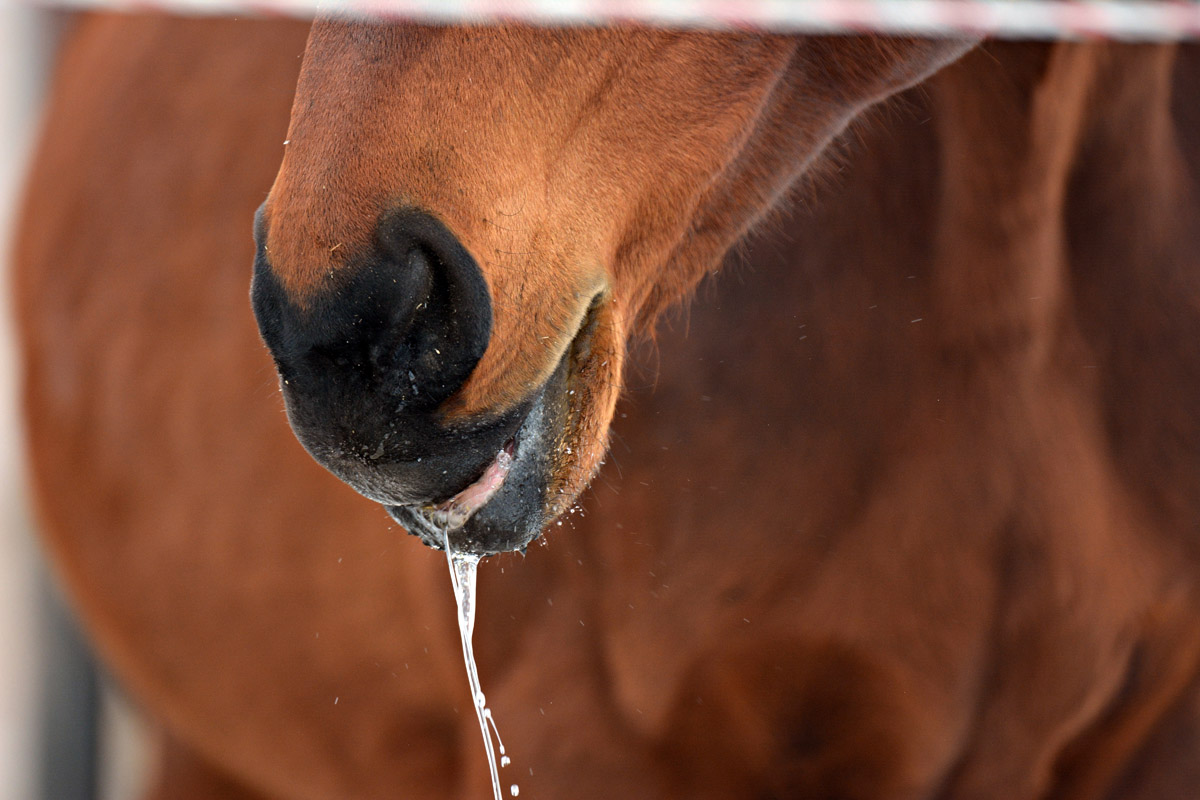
[(1020, 128)]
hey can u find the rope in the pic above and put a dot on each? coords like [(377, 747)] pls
[(1127, 20)]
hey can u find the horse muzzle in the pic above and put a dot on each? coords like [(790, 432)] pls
[(366, 364)]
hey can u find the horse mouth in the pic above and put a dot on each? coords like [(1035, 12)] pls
[(454, 513), (509, 505), (449, 522)]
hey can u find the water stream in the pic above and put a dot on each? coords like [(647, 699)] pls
[(463, 568)]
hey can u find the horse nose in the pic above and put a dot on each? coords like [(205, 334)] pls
[(367, 360), (409, 322), (423, 314)]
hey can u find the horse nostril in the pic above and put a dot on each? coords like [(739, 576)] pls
[(367, 360), (408, 323), (388, 350), (438, 312)]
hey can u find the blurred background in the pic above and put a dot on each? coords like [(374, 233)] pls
[(66, 732), (26, 45), (60, 721)]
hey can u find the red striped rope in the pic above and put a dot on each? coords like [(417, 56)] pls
[(1130, 20)]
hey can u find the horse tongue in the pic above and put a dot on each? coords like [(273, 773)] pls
[(458, 509)]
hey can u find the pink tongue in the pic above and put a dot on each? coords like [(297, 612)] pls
[(458, 509)]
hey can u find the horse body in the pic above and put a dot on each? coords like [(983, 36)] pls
[(906, 510)]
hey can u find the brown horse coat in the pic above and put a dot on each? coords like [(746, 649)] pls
[(906, 507)]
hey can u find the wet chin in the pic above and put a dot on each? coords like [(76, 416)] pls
[(499, 527)]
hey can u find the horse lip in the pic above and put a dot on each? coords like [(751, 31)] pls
[(433, 522), (436, 520)]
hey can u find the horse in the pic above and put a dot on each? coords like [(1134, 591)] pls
[(903, 506)]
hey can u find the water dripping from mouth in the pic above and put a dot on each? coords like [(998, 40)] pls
[(463, 571)]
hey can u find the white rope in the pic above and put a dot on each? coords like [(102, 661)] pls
[(1130, 20)]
